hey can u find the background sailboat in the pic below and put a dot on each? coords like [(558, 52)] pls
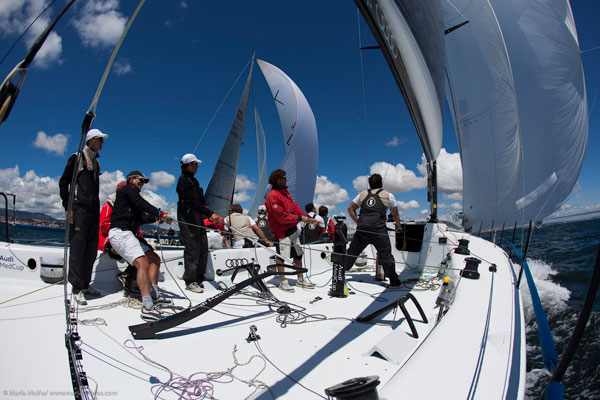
[(300, 140)]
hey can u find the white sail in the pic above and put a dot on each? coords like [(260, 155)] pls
[(219, 192), (483, 105), (544, 53), (261, 147), (299, 132), (410, 34)]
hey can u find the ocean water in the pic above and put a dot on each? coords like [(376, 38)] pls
[(561, 258)]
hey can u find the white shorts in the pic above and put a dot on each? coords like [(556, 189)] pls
[(127, 245), (215, 240), (290, 246)]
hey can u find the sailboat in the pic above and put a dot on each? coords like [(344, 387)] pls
[(300, 139), (454, 330)]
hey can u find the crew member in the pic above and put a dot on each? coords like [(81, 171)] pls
[(263, 223), (311, 233), (243, 227), (371, 226), (191, 209), (84, 215), (284, 214), (130, 211)]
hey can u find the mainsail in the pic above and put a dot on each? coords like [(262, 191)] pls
[(299, 132), (219, 192), (410, 34), (544, 53), (261, 147), (483, 104)]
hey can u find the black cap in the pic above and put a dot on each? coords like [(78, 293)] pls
[(138, 174)]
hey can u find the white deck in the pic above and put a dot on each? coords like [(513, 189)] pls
[(326, 348)]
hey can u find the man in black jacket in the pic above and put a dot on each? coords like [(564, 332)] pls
[(84, 217), (191, 211), (129, 213)]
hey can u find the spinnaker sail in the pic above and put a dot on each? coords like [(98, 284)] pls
[(219, 192), (483, 105), (544, 53), (299, 132)]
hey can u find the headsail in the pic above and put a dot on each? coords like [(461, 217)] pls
[(299, 132), (261, 189), (219, 192), (544, 53), (483, 104), (410, 34)]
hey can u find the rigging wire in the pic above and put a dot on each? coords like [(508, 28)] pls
[(364, 96), (25, 31)]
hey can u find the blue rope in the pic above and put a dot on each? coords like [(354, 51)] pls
[(549, 355)]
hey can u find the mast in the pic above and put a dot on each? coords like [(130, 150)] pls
[(10, 91)]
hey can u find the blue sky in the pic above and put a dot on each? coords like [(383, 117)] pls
[(174, 69)]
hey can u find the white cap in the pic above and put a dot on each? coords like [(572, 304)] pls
[(92, 133), (190, 158), (262, 207)]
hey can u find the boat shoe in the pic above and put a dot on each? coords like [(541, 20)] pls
[(161, 300), (195, 287), (80, 298), (285, 286), (154, 314), (305, 283)]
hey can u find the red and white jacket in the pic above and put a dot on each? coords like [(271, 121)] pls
[(283, 212)]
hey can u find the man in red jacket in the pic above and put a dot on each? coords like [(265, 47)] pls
[(283, 215)]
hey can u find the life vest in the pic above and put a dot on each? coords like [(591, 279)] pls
[(311, 232), (372, 213), (263, 224)]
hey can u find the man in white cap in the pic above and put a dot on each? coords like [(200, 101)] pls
[(84, 216), (191, 209)]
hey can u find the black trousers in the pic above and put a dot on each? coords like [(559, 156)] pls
[(381, 241), (195, 253), (83, 238)]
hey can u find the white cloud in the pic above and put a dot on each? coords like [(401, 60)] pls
[(160, 178), (454, 206), (15, 17), (449, 171), (329, 193), (52, 144), (34, 193), (108, 183), (453, 196), (411, 205), (243, 183), (100, 24), (41, 194), (50, 52), (395, 142), (239, 197), (158, 201), (122, 67), (396, 178)]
